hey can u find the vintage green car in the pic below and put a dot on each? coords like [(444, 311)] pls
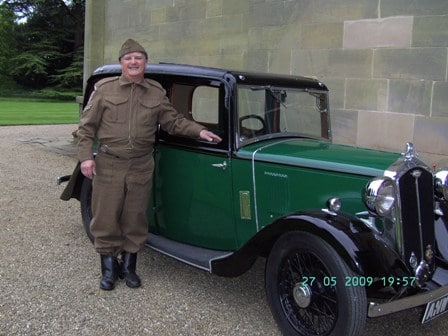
[(347, 233)]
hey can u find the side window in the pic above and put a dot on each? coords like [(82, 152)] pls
[(202, 102), (252, 112), (251, 102), (205, 105), (180, 95)]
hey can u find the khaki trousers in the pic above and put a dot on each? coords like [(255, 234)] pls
[(120, 194)]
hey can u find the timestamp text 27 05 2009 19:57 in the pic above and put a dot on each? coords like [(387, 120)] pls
[(351, 281)]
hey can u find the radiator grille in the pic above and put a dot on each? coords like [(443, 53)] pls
[(416, 194)]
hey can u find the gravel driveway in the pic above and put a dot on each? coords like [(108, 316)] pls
[(49, 273)]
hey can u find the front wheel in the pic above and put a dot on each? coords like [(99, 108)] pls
[(86, 205), (306, 291)]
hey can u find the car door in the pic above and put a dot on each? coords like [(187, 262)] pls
[(193, 178)]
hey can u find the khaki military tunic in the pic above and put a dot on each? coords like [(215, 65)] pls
[(123, 116)]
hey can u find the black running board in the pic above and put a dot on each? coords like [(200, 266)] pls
[(199, 257)]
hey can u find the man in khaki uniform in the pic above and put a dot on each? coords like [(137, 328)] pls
[(123, 114)]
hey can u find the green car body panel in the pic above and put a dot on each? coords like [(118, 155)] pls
[(262, 182), (187, 184)]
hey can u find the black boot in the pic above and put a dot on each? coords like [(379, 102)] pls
[(128, 270), (109, 272)]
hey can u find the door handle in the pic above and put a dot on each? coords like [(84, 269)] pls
[(223, 165)]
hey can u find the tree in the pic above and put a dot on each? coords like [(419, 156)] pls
[(49, 35), (8, 47)]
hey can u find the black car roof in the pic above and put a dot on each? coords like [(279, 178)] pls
[(241, 77)]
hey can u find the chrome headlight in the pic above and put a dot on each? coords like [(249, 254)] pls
[(379, 195), (441, 183)]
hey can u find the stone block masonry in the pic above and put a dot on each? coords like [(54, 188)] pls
[(385, 62)]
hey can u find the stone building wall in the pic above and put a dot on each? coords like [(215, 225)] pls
[(384, 61)]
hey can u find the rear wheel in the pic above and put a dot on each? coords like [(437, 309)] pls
[(306, 288), (86, 206)]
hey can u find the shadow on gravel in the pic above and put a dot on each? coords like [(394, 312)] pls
[(61, 145)]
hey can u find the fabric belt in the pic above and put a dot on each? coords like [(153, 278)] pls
[(107, 150)]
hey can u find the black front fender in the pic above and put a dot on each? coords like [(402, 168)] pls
[(364, 252), (361, 248)]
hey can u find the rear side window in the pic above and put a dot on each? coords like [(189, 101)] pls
[(205, 105), (202, 102)]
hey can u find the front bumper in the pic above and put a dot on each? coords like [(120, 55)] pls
[(440, 279), (381, 309)]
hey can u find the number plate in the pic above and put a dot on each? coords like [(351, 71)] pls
[(435, 309)]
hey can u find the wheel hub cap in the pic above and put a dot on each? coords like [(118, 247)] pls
[(302, 295)]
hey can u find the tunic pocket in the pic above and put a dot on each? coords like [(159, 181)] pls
[(116, 109), (149, 108)]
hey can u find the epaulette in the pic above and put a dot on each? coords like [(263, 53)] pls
[(155, 84), (106, 80)]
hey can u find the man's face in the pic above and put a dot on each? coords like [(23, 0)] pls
[(133, 66)]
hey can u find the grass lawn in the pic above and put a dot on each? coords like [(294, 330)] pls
[(27, 111)]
